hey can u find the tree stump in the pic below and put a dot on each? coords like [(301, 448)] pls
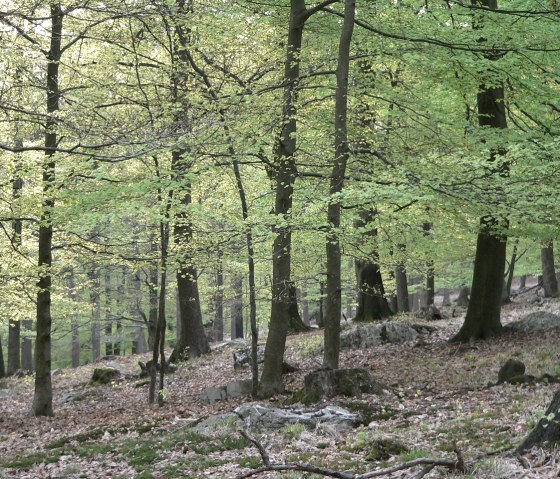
[(547, 432)]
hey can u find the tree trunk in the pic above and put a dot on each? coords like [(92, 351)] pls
[(140, 346), (546, 434), (401, 282), (153, 282), (430, 280), (27, 346), (522, 282), (42, 398), (296, 324), (331, 351), (463, 298), (2, 367), (372, 304), (550, 284), (75, 349), (511, 269), (94, 279), (236, 309), (321, 315), (483, 314), (219, 301), (108, 314), (304, 306), (14, 345)]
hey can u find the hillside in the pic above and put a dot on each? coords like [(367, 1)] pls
[(437, 394)]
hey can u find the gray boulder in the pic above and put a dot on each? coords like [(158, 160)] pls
[(369, 335), (262, 417), (537, 321), (239, 388), (211, 395), (242, 357)]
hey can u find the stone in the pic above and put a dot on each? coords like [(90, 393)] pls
[(220, 423), (211, 395), (242, 387), (104, 375), (261, 417), (81, 395), (242, 357), (513, 371), (432, 313), (118, 366), (537, 321), (338, 382)]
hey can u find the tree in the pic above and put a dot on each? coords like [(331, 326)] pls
[(550, 283), (341, 153), (483, 313)]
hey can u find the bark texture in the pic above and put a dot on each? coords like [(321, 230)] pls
[(547, 432), (549, 281)]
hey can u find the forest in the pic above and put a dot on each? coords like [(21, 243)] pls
[(181, 177)]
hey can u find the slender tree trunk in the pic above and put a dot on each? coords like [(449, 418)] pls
[(219, 300), (42, 399), (236, 308), (331, 351), (27, 346), (108, 314), (95, 293), (2, 367), (523, 282), (153, 282), (550, 284), (430, 280), (304, 306), (140, 346), (483, 314), (14, 345), (75, 350), (509, 276), (321, 315), (401, 282)]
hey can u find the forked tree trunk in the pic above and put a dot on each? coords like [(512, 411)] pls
[(550, 283)]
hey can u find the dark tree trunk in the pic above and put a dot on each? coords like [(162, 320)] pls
[(372, 304), (2, 367), (550, 284), (139, 341), (27, 346), (14, 345), (463, 298), (401, 282), (153, 282), (483, 314), (42, 398), (296, 324), (321, 315), (118, 339), (430, 280), (219, 301), (108, 315), (331, 350), (94, 295), (546, 434), (236, 308)]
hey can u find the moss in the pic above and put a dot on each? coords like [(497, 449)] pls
[(383, 448)]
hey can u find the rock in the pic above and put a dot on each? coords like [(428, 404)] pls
[(56, 372), (537, 321), (338, 382), (104, 375), (170, 368), (259, 417), (242, 357), (369, 335), (432, 313), (211, 395), (118, 366), (81, 395), (239, 388), (512, 371), (225, 423)]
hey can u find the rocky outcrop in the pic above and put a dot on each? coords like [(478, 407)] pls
[(537, 321)]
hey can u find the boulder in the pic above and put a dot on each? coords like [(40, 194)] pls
[(220, 423), (242, 357), (337, 382), (211, 395), (537, 321), (104, 375), (513, 371), (369, 335), (239, 388), (81, 395), (262, 417)]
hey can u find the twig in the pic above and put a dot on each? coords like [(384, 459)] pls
[(452, 465)]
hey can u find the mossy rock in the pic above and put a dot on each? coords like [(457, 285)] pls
[(382, 449), (339, 382), (104, 375)]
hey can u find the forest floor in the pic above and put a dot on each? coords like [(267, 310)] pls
[(439, 396)]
